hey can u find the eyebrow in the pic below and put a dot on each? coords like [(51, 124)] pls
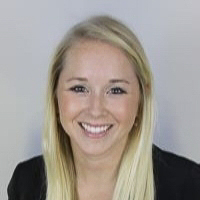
[(86, 80), (119, 81), (77, 79)]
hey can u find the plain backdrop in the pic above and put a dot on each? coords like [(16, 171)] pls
[(29, 32)]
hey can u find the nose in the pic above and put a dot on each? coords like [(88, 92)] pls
[(96, 105)]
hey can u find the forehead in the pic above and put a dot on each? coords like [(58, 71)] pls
[(96, 57)]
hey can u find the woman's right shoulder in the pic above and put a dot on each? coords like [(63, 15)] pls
[(28, 180), (37, 161), (30, 169)]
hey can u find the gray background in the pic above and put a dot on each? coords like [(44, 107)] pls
[(30, 30)]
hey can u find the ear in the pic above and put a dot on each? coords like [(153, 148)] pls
[(56, 107), (136, 121)]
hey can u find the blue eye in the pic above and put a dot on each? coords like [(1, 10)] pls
[(117, 90), (78, 89)]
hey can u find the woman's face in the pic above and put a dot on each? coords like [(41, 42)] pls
[(98, 97)]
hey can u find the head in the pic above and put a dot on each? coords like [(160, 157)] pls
[(112, 32)]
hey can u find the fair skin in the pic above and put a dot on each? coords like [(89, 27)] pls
[(98, 97)]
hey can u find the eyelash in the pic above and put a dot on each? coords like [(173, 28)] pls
[(82, 89), (78, 89), (117, 90)]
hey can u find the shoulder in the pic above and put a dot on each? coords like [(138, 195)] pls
[(35, 164), (172, 161), (28, 180), (176, 177)]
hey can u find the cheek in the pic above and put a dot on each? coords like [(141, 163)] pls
[(68, 108), (126, 110)]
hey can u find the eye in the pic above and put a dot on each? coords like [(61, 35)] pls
[(78, 89), (117, 90)]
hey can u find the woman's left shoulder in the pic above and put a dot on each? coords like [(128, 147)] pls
[(176, 177), (172, 160)]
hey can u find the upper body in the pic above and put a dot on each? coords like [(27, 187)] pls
[(176, 178), (98, 130)]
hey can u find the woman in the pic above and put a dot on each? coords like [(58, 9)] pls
[(97, 141)]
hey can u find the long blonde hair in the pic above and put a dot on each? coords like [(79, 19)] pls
[(135, 177)]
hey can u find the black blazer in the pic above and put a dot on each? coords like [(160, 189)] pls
[(176, 178)]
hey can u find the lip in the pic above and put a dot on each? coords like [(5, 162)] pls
[(95, 135), (95, 125)]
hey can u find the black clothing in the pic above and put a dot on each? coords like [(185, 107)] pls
[(176, 178)]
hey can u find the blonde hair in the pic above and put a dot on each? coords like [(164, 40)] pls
[(135, 177)]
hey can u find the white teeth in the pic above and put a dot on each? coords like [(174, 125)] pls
[(95, 130)]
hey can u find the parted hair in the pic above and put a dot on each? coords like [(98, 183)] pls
[(135, 179)]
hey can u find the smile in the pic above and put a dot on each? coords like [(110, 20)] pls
[(97, 129)]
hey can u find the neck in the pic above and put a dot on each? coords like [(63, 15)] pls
[(98, 169)]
